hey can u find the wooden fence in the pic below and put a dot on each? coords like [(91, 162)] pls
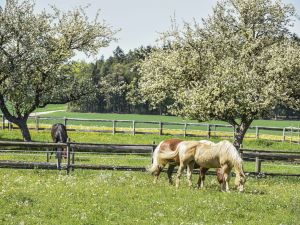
[(72, 148), (291, 134)]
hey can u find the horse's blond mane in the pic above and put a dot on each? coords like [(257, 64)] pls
[(232, 153), (155, 162)]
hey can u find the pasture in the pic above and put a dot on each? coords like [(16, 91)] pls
[(118, 197), (132, 123), (163, 118), (112, 197)]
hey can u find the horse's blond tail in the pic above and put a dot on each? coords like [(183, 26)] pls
[(155, 160), (168, 154)]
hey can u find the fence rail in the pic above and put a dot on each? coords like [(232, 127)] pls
[(291, 134), (248, 155)]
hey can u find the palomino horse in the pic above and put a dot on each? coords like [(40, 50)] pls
[(159, 161), (59, 135), (221, 155)]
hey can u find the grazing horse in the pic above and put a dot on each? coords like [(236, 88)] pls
[(59, 135), (203, 170), (221, 155), (159, 161)]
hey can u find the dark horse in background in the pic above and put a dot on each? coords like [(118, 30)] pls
[(59, 135)]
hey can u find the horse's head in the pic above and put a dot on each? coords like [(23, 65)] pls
[(153, 169), (240, 181)]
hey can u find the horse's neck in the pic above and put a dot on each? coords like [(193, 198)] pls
[(215, 150)]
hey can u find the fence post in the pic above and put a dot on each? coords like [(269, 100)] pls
[(68, 156), (65, 121), (257, 132), (47, 155), (184, 130), (73, 158), (59, 157), (215, 130), (113, 127), (283, 135), (257, 165), (9, 126), (208, 131), (37, 123), (160, 128), (133, 127)]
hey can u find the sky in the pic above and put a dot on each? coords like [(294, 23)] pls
[(141, 21)]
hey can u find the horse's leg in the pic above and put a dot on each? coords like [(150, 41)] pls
[(190, 172), (179, 173), (220, 177), (65, 153), (58, 156), (169, 172), (202, 172), (226, 177), (156, 175)]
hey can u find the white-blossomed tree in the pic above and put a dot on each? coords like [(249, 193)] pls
[(235, 66), (36, 52)]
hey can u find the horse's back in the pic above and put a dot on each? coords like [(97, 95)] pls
[(59, 133), (207, 142), (169, 145), (167, 151), (185, 145), (187, 150)]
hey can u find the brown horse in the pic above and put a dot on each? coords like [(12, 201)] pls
[(59, 135), (159, 161)]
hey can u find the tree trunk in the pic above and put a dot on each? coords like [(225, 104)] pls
[(240, 132), (22, 124)]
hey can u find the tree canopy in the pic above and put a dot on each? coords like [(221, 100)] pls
[(36, 51), (235, 66)]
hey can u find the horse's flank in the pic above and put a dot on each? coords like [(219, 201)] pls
[(166, 152)]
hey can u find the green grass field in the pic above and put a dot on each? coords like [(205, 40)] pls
[(138, 117), (116, 197), (171, 129), (112, 197), (154, 128)]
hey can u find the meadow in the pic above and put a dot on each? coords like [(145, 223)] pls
[(117, 197), (112, 197), (161, 118), (292, 135)]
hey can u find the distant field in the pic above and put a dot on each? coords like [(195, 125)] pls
[(138, 117), (52, 107), (174, 129), (154, 128)]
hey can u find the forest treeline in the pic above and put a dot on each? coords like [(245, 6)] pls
[(115, 84), (116, 87)]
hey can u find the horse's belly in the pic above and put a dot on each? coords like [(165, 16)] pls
[(208, 163)]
